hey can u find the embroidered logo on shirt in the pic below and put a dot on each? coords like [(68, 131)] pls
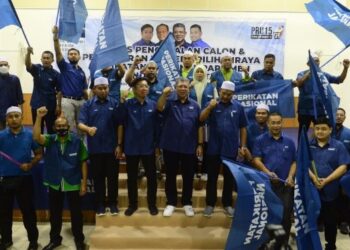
[(95, 110), (331, 149), (110, 108), (233, 112), (73, 154), (150, 110), (191, 107), (159, 92)]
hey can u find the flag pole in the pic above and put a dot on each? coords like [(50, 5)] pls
[(58, 12), (341, 51), (14, 11)]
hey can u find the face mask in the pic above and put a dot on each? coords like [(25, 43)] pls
[(4, 70), (62, 132)]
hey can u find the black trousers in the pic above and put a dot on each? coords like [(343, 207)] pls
[(172, 162), (104, 166), (286, 195), (56, 200), (213, 168), (132, 163), (48, 120), (343, 205), (328, 215), (24, 194)]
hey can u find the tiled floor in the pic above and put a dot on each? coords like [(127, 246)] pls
[(20, 239)]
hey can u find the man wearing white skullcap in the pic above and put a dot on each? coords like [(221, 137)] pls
[(188, 63), (228, 136), (16, 147)]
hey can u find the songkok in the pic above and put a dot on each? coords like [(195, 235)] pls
[(263, 106), (228, 85), (101, 81), (13, 109)]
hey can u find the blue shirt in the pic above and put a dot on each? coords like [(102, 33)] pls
[(218, 78), (189, 75), (225, 122), (19, 147), (305, 105), (141, 126), (267, 76), (10, 93), (180, 126), (200, 44), (72, 79), (277, 155), (207, 95), (156, 89), (45, 86), (185, 45), (327, 159), (254, 130), (104, 116), (143, 43), (343, 134)]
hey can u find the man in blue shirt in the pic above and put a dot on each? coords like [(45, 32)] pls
[(331, 159), (179, 32), (188, 65), (162, 32), (227, 132), (98, 118), (141, 126), (267, 73), (196, 37), (10, 91), (181, 141), (45, 88), (146, 36), (16, 146), (274, 154), (72, 81), (305, 104), (259, 125)]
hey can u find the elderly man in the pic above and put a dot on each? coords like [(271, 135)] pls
[(11, 91), (146, 36), (99, 120), (259, 126), (227, 136), (267, 73), (181, 141), (16, 146), (162, 32), (45, 88), (179, 32), (188, 64)]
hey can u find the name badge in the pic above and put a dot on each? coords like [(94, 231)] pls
[(158, 92), (150, 110), (110, 108), (191, 107), (331, 149), (73, 154)]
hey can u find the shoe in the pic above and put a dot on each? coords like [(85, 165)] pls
[(129, 211), (101, 211), (208, 211), (204, 177), (113, 210), (330, 247), (189, 210), (80, 245), (320, 227), (229, 211), (4, 246), (52, 245), (153, 210), (344, 228), (168, 211), (33, 246)]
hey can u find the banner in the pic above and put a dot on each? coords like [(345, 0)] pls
[(8, 14)]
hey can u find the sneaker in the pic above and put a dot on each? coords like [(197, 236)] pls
[(208, 211), (113, 210), (101, 211), (204, 177), (344, 228), (189, 210), (168, 211), (229, 211), (52, 245), (129, 211)]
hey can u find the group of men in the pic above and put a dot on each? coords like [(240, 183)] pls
[(157, 119)]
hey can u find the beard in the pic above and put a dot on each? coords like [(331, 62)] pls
[(74, 62)]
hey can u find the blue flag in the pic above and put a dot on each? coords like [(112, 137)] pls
[(73, 15), (307, 203), (332, 16), (110, 47), (256, 207), (8, 14), (345, 183), (166, 59), (323, 90)]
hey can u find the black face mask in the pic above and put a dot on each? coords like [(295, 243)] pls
[(62, 132)]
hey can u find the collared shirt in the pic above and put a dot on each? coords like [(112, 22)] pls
[(10, 93), (277, 155), (185, 44), (219, 77), (72, 79), (156, 89), (305, 105), (200, 44), (17, 146), (180, 126), (104, 116), (327, 159), (187, 73), (143, 43), (225, 122), (343, 134), (254, 130), (45, 86), (141, 126), (267, 76)]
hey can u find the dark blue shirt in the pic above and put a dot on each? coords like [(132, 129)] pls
[(104, 116), (254, 130), (45, 86), (141, 126), (267, 76), (225, 122), (305, 105), (200, 44), (343, 134), (277, 155), (180, 126), (19, 147), (10, 93), (218, 78), (327, 159), (156, 89), (72, 79), (185, 45), (143, 43)]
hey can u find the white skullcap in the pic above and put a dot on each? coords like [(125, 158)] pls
[(263, 106), (101, 81), (13, 109), (3, 59), (188, 53), (226, 54), (228, 85)]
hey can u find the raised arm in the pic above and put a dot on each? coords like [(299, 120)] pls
[(27, 60), (129, 76), (206, 112), (37, 136), (56, 43), (162, 99), (343, 74)]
